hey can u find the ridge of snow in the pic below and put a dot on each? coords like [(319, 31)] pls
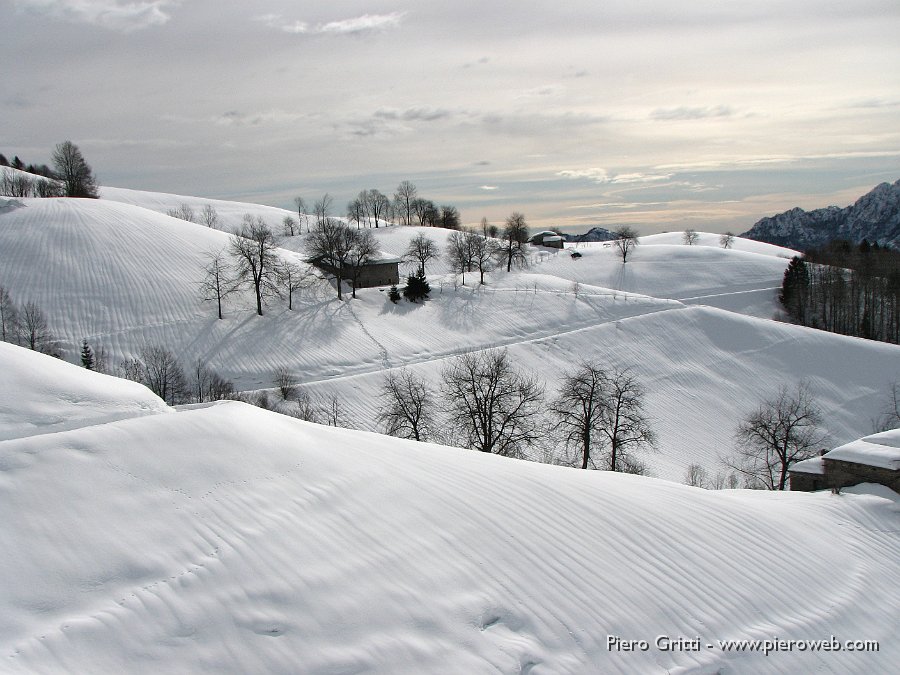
[(232, 539)]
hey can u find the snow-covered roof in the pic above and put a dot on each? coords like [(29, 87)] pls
[(380, 257), (812, 465), (881, 450)]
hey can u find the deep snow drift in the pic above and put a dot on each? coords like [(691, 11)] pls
[(230, 539)]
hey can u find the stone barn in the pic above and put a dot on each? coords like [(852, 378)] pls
[(547, 238), (380, 270), (871, 459)]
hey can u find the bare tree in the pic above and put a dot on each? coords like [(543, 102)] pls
[(625, 424), (404, 198), (407, 406), (493, 405), (35, 331), (690, 237), (289, 226), (696, 476), (459, 254), (254, 250), (421, 250), (726, 240), (293, 278), (578, 410), (890, 415), (217, 387), (218, 283), (515, 234), (131, 369), (782, 430), (183, 212), (322, 208), (483, 252), (331, 244), (208, 385), (449, 217), (163, 374), (74, 172), (302, 217), (209, 216), (9, 318), (286, 383), (377, 205), (306, 410), (425, 211), (331, 412), (363, 248), (356, 210), (626, 239), (724, 481), (17, 184)]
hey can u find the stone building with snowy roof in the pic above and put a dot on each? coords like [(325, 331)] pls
[(871, 459), (547, 238), (381, 269)]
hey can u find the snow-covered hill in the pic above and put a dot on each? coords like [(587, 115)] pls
[(874, 216), (228, 539), (125, 276)]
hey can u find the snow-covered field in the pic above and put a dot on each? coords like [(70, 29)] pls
[(226, 538), (125, 275)]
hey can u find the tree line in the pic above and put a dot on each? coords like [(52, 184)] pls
[(372, 207), (486, 403), (71, 176), (26, 325), (847, 289)]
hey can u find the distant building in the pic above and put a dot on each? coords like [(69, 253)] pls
[(547, 238), (872, 459), (380, 270)]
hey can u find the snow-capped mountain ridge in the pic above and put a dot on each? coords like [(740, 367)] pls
[(875, 216)]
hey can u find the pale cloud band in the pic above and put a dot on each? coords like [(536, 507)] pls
[(111, 14), (367, 23), (601, 176)]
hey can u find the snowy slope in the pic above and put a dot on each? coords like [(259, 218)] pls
[(39, 394), (124, 276), (230, 539), (229, 213)]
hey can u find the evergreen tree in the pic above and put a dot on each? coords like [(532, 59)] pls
[(394, 294), (87, 355), (417, 287), (794, 289)]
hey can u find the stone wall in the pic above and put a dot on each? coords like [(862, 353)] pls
[(840, 474), (807, 482)]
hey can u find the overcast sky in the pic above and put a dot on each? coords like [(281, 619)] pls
[(663, 114)]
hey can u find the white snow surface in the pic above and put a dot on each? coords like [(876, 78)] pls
[(40, 394), (881, 450), (692, 321), (814, 465), (229, 539)]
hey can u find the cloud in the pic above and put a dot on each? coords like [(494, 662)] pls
[(596, 175), (414, 114), (118, 15), (367, 23), (600, 176), (488, 187), (684, 113)]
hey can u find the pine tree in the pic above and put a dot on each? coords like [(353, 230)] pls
[(794, 289), (417, 287), (394, 294), (87, 355)]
